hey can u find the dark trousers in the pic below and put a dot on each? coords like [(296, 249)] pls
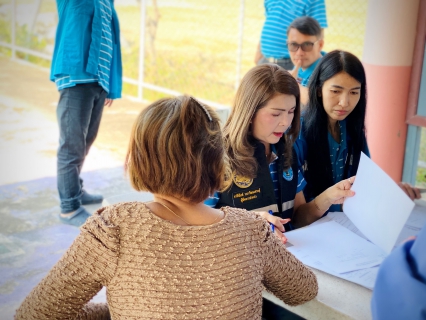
[(79, 114), (271, 311)]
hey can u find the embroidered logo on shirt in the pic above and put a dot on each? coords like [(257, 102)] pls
[(242, 182), (288, 175), (239, 198)]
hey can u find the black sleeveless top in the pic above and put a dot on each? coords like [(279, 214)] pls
[(258, 194)]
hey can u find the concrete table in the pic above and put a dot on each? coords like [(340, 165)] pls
[(338, 298)]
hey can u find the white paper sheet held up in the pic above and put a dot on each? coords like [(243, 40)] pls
[(341, 219), (379, 208), (335, 247), (412, 227)]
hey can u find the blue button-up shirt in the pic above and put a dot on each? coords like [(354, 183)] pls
[(87, 45)]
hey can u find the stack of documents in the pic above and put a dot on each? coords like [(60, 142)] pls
[(332, 248), (352, 245)]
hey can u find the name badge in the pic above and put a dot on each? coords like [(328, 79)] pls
[(241, 198)]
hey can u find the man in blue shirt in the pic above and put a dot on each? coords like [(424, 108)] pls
[(305, 42), (279, 14), (87, 70)]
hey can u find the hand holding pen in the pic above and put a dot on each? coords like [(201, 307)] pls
[(272, 225), (276, 223)]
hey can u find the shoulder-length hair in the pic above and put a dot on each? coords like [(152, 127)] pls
[(257, 87), (316, 119), (176, 149)]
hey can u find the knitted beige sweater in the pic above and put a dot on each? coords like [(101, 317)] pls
[(154, 269)]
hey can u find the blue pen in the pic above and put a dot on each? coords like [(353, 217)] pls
[(272, 225)]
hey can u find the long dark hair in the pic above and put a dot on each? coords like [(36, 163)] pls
[(316, 119)]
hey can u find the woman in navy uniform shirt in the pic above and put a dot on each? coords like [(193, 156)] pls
[(259, 136)]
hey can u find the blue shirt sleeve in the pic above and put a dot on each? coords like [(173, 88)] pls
[(212, 201), (400, 288), (317, 10)]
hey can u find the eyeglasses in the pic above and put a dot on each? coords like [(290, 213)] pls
[(306, 46)]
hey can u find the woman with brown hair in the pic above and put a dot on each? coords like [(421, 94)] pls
[(173, 258), (259, 136)]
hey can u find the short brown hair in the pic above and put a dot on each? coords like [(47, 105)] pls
[(176, 149)]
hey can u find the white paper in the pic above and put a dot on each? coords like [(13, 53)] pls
[(335, 247), (414, 224), (365, 277), (343, 220), (379, 208), (416, 221)]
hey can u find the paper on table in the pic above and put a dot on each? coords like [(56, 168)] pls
[(412, 227), (416, 221), (335, 247), (379, 208), (341, 219), (365, 277)]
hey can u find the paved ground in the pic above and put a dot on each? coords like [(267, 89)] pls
[(31, 237)]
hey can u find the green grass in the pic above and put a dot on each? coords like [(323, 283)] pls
[(195, 47), (421, 172)]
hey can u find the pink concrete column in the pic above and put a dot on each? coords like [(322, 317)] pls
[(388, 58)]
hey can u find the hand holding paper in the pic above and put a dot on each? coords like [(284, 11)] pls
[(412, 192), (340, 191)]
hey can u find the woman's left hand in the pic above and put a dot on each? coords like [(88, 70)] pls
[(340, 191), (411, 191)]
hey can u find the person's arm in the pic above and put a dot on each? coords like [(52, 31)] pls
[(304, 96), (277, 221), (108, 102), (400, 288), (284, 275), (306, 213), (82, 271), (304, 92), (412, 192)]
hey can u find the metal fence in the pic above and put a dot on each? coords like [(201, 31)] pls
[(169, 47)]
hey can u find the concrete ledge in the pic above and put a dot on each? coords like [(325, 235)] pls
[(337, 299)]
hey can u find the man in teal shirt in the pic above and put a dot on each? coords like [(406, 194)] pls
[(279, 14), (87, 70), (305, 42)]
